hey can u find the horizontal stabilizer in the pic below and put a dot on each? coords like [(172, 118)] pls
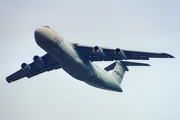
[(133, 63), (125, 63), (110, 67)]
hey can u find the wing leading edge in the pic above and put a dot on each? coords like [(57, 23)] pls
[(108, 54), (40, 65)]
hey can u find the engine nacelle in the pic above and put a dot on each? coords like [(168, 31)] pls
[(99, 51), (27, 69), (38, 60), (120, 53), (26, 66)]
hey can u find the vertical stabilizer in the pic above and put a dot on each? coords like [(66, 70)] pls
[(118, 71), (119, 68)]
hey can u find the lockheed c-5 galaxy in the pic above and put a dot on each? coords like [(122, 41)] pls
[(77, 61)]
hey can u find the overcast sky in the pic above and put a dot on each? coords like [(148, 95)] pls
[(149, 93)]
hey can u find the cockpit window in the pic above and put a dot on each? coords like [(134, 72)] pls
[(46, 26)]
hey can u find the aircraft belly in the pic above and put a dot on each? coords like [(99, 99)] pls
[(72, 64), (69, 60), (78, 71), (85, 71)]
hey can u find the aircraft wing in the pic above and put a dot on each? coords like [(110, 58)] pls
[(40, 65), (107, 54)]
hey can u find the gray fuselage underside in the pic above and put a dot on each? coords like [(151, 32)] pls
[(73, 62)]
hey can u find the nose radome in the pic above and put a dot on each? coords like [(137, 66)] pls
[(37, 30), (43, 34), (38, 34)]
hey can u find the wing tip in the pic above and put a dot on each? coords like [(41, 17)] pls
[(168, 55), (9, 80)]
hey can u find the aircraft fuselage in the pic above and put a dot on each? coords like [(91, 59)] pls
[(73, 62)]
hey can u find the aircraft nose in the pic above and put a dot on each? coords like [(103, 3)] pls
[(39, 35), (43, 34)]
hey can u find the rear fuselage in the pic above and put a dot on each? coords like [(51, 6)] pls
[(74, 63)]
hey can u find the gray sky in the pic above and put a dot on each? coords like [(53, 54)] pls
[(150, 93)]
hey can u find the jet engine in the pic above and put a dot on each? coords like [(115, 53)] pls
[(38, 60), (26, 67), (120, 53), (99, 51)]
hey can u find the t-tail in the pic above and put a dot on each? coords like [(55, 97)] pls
[(119, 68)]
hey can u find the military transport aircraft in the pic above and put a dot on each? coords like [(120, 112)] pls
[(77, 61)]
